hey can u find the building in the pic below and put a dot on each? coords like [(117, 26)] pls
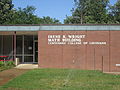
[(89, 47)]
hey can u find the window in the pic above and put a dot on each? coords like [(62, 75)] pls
[(6, 46)]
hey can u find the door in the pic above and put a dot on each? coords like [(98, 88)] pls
[(28, 48)]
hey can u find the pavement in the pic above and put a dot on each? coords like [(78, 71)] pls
[(9, 74), (27, 66)]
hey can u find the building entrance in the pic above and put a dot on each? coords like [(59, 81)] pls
[(26, 48)]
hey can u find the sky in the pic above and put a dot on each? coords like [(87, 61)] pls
[(54, 8)]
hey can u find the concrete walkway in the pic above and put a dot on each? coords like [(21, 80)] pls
[(9, 74), (27, 66)]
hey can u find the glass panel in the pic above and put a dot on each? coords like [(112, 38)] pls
[(28, 47), (19, 44), (20, 58), (36, 51), (36, 37), (28, 44), (10, 57), (7, 43), (1, 45), (28, 59)]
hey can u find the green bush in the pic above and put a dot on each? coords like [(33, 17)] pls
[(9, 63), (6, 65), (1, 63)]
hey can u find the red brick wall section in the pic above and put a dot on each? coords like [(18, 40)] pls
[(114, 50), (98, 55), (74, 55), (90, 57), (49, 55)]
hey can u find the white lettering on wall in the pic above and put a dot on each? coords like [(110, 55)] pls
[(71, 39)]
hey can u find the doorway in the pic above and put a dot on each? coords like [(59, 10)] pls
[(27, 48)]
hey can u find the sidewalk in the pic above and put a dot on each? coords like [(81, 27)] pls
[(27, 66), (7, 75)]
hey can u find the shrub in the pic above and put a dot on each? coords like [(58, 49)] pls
[(1, 63), (6, 65), (9, 63)]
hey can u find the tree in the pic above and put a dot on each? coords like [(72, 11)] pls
[(5, 11), (9, 15), (48, 20), (115, 12), (89, 11), (26, 16)]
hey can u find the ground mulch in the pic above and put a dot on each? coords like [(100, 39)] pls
[(7, 75)]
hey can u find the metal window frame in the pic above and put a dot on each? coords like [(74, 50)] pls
[(34, 50), (23, 49)]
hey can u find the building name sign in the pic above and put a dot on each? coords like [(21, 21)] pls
[(71, 40)]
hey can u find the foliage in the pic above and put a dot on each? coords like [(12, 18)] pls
[(1, 63), (6, 65), (26, 16), (64, 79), (5, 11), (84, 12), (115, 12), (89, 11), (9, 63), (10, 15), (48, 20)]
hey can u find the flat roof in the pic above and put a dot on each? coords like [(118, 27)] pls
[(61, 27)]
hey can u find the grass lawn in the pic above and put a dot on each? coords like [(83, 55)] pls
[(63, 79)]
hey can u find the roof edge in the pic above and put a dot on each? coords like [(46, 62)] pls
[(62, 25)]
